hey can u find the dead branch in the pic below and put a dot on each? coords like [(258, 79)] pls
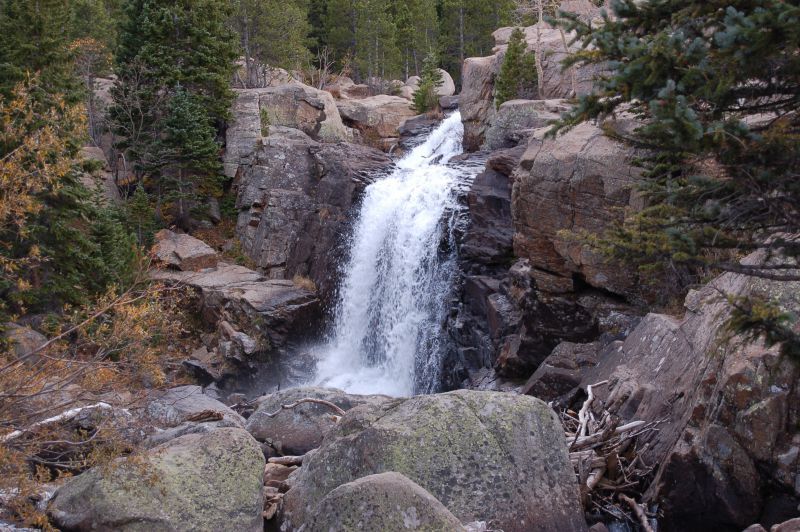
[(328, 404), (637, 510), (64, 416)]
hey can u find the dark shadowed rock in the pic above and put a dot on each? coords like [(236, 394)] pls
[(388, 502), (210, 481), (562, 371), (298, 430), (489, 238), (486, 456), (294, 197)]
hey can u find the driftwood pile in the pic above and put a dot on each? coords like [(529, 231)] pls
[(279, 468), (607, 457)]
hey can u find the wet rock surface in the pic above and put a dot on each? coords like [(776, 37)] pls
[(295, 199)]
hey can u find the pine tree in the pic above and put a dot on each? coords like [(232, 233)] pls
[(467, 26), (188, 154), (517, 76), (426, 98), (186, 42), (417, 32), (140, 216), (273, 32), (57, 242), (34, 39), (718, 91)]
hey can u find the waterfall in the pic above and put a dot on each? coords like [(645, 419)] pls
[(388, 337)]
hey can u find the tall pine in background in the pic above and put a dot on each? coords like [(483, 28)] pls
[(171, 51)]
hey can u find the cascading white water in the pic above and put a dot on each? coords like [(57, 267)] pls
[(388, 326)]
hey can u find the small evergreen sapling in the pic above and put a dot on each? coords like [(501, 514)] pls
[(517, 77), (426, 98)]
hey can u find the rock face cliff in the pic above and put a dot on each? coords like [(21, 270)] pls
[(551, 47), (294, 192), (527, 284), (726, 452)]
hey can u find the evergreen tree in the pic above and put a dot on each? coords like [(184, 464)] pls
[(417, 32), (172, 52), (188, 154), (184, 42), (273, 32), (718, 91), (467, 26), (58, 243), (425, 97), (34, 38), (140, 216), (517, 76)]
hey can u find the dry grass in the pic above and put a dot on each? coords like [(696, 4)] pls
[(108, 354), (305, 283)]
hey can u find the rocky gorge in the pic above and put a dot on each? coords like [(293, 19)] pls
[(560, 392)]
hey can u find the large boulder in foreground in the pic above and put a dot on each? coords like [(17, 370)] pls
[(486, 456), (385, 502), (209, 481), (298, 430)]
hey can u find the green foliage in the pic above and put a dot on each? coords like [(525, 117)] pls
[(188, 152), (180, 42), (757, 318), (34, 39), (517, 77), (466, 28), (717, 89), (139, 217), (426, 98), (273, 32)]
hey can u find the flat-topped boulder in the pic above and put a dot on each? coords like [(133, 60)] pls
[(183, 252), (256, 319), (379, 116)]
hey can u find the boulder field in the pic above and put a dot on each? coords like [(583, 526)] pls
[(463, 460)]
